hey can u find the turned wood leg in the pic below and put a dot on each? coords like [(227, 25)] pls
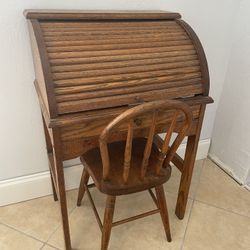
[(107, 222), (84, 181), (163, 210), (188, 165)]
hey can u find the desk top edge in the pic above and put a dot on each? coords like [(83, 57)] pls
[(63, 120), (98, 14)]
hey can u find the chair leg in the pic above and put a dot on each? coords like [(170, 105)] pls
[(107, 222), (163, 210), (84, 180)]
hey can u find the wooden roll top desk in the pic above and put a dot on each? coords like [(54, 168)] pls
[(91, 65)]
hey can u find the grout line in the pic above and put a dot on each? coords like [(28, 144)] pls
[(50, 236), (28, 235), (221, 208), (24, 233), (199, 179), (203, 166), (192, 200), (58, 226), (189, 216), (60, 223), (52, 246), (52, 233), (42, 246), (175, 195)]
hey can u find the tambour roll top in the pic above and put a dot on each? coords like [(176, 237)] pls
[(95, 60)]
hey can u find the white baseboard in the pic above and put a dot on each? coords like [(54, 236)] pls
[(35, 185), (38, 185)]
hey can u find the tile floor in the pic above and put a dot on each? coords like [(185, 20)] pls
[(217, 217)]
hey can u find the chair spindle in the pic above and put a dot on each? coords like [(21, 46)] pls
[(128, 151), (166, 142), (105, 158), (148, 147), (177, 142)]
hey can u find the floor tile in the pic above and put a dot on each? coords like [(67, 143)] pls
[(146, 233), (172, 185), (219, 189), (47, 247), (38, 217), (212, 228), (11, 239)]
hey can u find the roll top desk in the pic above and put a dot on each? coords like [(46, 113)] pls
[(92, 65)]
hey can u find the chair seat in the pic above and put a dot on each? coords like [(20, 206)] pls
[(115, 185)]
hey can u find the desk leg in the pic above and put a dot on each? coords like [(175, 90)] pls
[(50, 152), (189, 160), (59, 175)]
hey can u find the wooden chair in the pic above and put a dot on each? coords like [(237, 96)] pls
[(136, 164)]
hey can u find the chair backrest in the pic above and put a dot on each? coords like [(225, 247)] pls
[(181, 114)]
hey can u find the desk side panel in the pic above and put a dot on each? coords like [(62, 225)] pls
[(40, 81), (42, 68)]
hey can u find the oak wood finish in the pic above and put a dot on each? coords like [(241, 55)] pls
[(82, 189), (188, 165), (91, 66), (59, 177), (163, 210), (99, 15), (42, 67), (49, 148), (107, 221), (153, 110), (136, 164), (77, 86)]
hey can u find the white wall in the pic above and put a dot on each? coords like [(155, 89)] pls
[(231, 136), (22, 148)]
